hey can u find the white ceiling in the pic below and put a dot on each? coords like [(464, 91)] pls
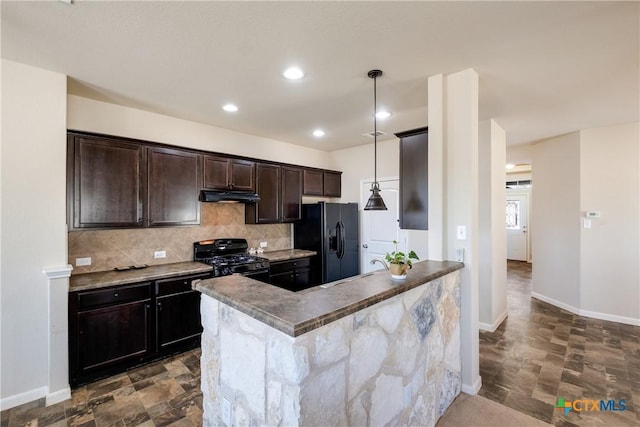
[(546, 68)]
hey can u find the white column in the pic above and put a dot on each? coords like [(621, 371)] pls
[(58, 294), (436, 163), (458, 129), (492, 239)]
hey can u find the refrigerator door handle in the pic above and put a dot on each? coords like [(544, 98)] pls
[(341, 240)]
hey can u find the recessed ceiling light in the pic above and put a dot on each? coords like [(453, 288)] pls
[(230, 108), (318, 133), (383, 114), (293, 73), (510, 166)]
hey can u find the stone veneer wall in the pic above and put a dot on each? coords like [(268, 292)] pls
[(113, 248), (394, 363)]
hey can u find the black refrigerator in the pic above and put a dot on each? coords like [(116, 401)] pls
[(330, 229)]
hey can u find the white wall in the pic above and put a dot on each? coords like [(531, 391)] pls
[(33, 222), (555, 222), (609, 252), (492, 269), (101, 117), (592, 272)]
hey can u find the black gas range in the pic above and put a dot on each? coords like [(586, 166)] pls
[(229, 256)]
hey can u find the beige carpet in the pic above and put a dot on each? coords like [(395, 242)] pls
[(477, 411)]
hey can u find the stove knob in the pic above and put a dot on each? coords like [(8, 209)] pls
[(258, 265)]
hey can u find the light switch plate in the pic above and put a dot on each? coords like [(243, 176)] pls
[(587, 223), (461, 232)]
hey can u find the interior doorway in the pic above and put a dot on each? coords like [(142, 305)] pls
[(517, 223)]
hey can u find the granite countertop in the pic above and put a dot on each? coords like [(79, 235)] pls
[(286, 254), (296, 313), (100, 279)]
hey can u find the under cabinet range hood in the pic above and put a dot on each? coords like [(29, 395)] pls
[(228, 196)]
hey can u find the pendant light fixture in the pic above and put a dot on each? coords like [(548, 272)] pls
[(375, 202)]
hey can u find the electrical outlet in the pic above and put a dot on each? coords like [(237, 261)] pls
[(160, 254), (263, 244), (226, 411), (460, 254), (81, 262)]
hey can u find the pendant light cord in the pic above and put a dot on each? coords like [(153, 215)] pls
[(375, 132)]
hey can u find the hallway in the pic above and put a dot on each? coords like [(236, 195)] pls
[(541, 353)]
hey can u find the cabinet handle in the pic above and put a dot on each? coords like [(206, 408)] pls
[(116, 295)]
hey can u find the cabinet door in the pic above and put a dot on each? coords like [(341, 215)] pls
[(112, 335), (216, 173), (332, 184), (302, 278), (106, 182), (291, 194), (177, 312), (414, 179), (312, 183), (174, 185), (243, 175), (267, 210)]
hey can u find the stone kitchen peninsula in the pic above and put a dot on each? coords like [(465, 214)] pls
[(363, 351)]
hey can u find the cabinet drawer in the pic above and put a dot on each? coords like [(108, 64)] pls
[(115, 295), (177, 285), (284, 266)]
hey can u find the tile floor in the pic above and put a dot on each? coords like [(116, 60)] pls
[(540, 353), (161, 394)]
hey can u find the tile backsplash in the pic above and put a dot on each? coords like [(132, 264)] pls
[(115, 248)]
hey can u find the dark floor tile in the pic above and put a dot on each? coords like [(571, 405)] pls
[(569, 356), (146, 372)]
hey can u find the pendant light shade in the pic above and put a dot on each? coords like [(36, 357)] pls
[(375, 202)]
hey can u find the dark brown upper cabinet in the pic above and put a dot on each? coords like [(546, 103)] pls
[(173, 187), (332, 184), (321, 183), (313, 183), (115, 182), (291, 194), (267, 210), (414, 182), (222, 173), (280, 190), (105, 182)]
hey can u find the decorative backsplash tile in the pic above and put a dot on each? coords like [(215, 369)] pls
[(116, 248)]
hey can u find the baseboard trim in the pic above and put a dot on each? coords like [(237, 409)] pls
[(474, 388), (492, 327), (22, 398), (58, 396), (587, 313)]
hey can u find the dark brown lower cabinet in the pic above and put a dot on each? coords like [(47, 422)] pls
[(293, 275), (116, 328), (177, 313)]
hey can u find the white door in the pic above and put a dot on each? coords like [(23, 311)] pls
[(380, 228), (517, 216)]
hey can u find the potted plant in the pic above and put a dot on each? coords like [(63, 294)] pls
[(399, 262)]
